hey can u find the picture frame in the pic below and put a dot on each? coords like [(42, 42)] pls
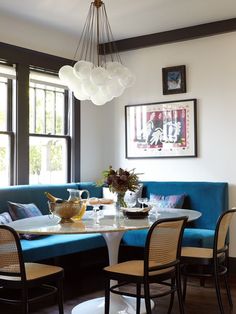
[(174, 80), (161, 129)]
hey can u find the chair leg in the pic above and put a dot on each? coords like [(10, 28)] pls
[(60, 296), (185, 279), (179, 290), (107, 296), (226, 279), (25, 302), (228, 291), (138, 292), (202, 282), (147, 297), (171, 296), (217, 287)]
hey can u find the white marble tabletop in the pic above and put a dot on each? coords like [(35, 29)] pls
[(106, 221)]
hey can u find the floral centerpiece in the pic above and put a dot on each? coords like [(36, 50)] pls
[(119, 181)]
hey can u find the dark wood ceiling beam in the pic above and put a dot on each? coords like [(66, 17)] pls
[(181, 34)]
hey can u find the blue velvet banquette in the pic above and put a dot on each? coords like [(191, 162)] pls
[(210, 198)]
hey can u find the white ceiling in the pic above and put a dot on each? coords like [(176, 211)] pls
[(128, 18)]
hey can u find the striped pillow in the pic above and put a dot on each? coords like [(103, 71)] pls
[(20, 211), (5, 218)]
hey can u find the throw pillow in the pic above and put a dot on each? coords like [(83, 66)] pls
[(5, 218), (20, 211), (169, 201)]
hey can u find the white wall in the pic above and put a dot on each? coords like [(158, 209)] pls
[(35, 36), (211, 69)]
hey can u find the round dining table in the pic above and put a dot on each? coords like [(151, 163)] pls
[(112, 226)]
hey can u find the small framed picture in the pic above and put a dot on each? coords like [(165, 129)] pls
[(174, 80)]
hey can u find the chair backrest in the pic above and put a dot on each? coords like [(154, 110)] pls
[(222, 228), (11, 257), (163, 243)]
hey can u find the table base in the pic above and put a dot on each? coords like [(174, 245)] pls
[(118, 305)]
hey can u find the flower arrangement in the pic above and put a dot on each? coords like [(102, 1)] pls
[(119, 181)]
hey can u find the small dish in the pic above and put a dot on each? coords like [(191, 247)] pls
[(136, 212), (136, 215)]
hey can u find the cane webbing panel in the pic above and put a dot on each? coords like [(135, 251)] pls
[(223, 229), (164, 242), (9, 258)]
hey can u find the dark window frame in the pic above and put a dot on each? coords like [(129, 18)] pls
[(9, 131), (26, 60)]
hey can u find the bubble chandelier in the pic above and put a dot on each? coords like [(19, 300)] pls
[(99, 75)]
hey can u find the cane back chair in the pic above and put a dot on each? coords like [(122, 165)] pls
[(24, 283), (160, 265), (207, 262)]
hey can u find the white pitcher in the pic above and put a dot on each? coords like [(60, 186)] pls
[(76, 195)]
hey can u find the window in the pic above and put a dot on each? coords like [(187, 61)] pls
[(7, 75), (39, 120), (49, 138)]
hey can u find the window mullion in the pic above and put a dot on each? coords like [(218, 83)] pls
[(9, 105), (54, 113), (35, 111), (45, 111)]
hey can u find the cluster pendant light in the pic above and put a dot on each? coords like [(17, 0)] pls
[(99, 75)]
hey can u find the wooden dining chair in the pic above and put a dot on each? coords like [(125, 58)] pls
[(206, 262), (24, 283), (160, 265)]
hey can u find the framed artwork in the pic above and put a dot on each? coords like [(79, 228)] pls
[(162, 129), (174, 80)]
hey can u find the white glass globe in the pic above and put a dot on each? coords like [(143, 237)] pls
[(115, 88), (79, 94), (89, 87), (107, 92), (65, 74), (99, 76), (76, 86), (99, 98), (126, 78), (113, 68), (82, 69)]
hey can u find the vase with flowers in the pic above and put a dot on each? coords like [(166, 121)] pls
[(119, 181)]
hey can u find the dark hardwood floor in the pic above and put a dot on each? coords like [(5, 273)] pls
[(83, 285)]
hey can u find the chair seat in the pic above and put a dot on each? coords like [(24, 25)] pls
[(196, 252), (135, 268), (35, 270)]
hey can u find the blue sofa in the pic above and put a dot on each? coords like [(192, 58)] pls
[(51, 246), (210, 198), (207, 197)]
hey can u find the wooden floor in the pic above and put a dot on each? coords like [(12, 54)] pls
[(78, 288)]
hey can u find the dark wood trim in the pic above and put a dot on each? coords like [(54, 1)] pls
[(181, 34), (75, 156), (22, 124), (14, 54)]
